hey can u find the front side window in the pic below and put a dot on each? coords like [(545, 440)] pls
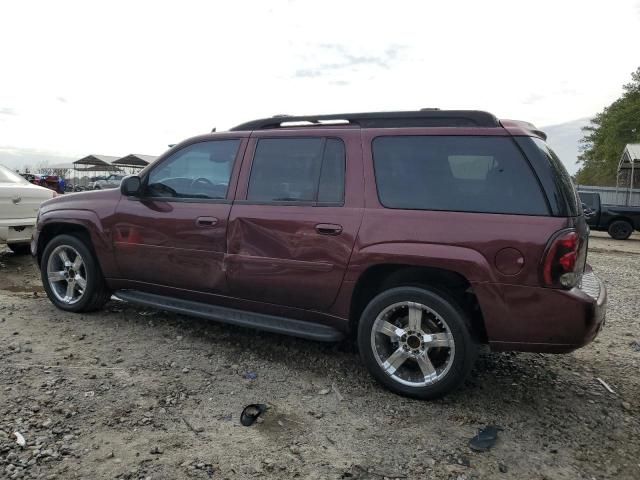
[(456, 173), (298, 170), (201, 170)]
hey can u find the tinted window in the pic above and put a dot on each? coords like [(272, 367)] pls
[(201, 170), (331, 187), (298, 170), (561, 176), (467, 174)]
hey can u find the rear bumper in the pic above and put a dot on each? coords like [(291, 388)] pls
[(550, 320), (16, 230)]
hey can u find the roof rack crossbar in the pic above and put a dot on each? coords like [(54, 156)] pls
[(421, 118)]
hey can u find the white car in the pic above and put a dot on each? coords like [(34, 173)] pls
[(112, 181), (19, 204)]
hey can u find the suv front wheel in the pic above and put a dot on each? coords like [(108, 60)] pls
[(71, 275), (415, 341)]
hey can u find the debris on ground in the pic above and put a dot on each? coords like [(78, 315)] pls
[(485, 439), (605, 385), (20, 439), (251, 413), (337, 392)]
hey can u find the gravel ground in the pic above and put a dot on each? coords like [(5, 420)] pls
[(134, 394)]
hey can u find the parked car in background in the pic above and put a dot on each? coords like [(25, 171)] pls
[(619, 221), (53, 182), (422, 234), (112, 181), (19, 203)]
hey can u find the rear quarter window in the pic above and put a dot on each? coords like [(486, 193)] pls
[(554, 178), (456, 173), (562, 177)]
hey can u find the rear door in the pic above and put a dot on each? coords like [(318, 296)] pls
[(174, 234), (296, 216)]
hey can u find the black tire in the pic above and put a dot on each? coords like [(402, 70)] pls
[(96, 294), (449, 312), (20, 248), (620, 229)]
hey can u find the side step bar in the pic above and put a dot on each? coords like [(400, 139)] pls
[(268, 323)]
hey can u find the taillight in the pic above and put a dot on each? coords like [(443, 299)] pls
[(560, 266)]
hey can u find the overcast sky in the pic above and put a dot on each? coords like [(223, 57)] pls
[(131, 77)]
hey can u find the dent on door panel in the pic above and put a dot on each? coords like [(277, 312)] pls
[(274, 260)]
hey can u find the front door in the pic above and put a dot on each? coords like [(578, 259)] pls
[(174, 233), (292, 227)]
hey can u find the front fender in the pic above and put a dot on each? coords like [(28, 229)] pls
[(88, 221)]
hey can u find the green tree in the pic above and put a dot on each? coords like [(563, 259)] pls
[(610, 130)]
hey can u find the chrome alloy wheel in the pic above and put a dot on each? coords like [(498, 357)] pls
[(66, 274), (413, 344)]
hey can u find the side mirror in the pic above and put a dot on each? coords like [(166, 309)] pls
[(130, 186)]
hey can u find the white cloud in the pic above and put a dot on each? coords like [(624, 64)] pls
[(120, 76)]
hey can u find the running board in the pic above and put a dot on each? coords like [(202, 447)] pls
[(241, 318)]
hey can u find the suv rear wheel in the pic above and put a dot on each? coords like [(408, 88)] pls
[(415, 341), (620, 230), (71, 275)]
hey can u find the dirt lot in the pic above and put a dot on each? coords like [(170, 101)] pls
[(134, 394)]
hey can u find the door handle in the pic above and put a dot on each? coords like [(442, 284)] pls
[(206, 221), (328, 229)]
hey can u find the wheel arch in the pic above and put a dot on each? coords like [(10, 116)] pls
[(623, 218), (380, 277), (80, 223)]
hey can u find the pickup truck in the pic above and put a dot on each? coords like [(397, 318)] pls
[(618, 221)]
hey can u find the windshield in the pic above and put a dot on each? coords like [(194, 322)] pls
[(7, 176)]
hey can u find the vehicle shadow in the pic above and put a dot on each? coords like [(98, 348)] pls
[(510, 379)]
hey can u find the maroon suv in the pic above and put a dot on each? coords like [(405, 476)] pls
[(424, 233)]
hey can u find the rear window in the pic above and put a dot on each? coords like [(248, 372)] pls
[(465, 174)]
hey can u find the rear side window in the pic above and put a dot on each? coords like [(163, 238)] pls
[(465, 174), (298, 170)]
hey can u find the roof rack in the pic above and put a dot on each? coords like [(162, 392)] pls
[(420, 118)]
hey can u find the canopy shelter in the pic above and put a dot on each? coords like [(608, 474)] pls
[(96, 163), (628, 168), (134, 161)]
